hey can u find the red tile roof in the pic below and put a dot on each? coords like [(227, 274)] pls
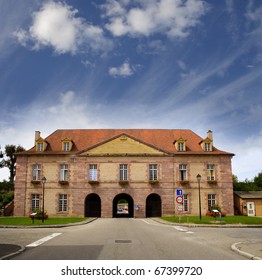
[(161, 139)]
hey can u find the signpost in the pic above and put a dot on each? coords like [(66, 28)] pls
[(179, 201)]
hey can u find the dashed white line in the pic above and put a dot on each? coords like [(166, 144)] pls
[(43, 240)]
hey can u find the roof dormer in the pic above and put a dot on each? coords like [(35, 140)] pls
[(180, 144), (40, 145), (207, 143), (67, 145)]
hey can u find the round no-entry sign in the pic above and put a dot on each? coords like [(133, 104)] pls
[(179, 199)]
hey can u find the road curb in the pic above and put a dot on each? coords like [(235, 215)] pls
[(235, 248), (51, 226), (207, 225), (11, 255)]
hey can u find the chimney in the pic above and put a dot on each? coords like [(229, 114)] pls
[(37, 135), (210, 135)]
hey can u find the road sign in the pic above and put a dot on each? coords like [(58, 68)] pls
[(179, 192), (179, 199), (179, 208)]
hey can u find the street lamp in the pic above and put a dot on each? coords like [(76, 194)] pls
[(43, 180), (199, 195)]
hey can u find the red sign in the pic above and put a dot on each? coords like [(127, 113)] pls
[(179, 199)]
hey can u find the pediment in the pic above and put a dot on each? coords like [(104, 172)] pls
[(123, 145)]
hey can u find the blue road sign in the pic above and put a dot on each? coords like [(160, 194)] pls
[(179, 192)]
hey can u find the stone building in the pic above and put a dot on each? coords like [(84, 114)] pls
[(123, 173)]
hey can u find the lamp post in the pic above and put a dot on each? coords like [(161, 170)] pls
[(43, 180), (199, 195)]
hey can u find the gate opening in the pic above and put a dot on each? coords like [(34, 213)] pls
[(153, 205), (123, 206), (93, 206)]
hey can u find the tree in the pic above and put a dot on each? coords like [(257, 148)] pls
[(258, 181), (10, 162)]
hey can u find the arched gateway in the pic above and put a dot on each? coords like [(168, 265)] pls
[(123, 206), (153, 205), (93, 205)]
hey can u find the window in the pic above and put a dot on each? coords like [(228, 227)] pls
[(35, 202), (211, 200), (182, 172), (62, 202), (153, 172), (66, 146), (63, 172), (181, 146), (211, 172), (185, 203), (36, 172), (40, 147), (207, 147), (93, 172), (123, 172)]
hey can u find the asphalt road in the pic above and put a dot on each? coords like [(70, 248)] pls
[(128, 239)]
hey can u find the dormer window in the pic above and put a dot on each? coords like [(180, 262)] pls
[(207, 143), (40, 145), (180, 144), (67, 145), (207, 147)]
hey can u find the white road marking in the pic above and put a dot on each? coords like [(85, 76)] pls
[(43, 240), (178, 228)]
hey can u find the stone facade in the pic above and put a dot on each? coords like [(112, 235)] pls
[(83, 193)]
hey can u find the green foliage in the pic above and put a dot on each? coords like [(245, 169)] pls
[(245, 220), (258, 181), (10, 162), (6, 186), (26, 221), (5, 198), (247, 185)]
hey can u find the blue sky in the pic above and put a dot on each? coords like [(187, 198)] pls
[(134, 64)]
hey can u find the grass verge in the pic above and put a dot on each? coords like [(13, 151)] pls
[(25, 221), (210, 220)]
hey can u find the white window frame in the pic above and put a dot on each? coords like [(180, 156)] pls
[(211, 172), (63, 203), (93, 174), (123, 172), (35, 202), (36, 172), (64, 172), (40, 147), (153, 172), (207, 147), (66, 146), (211, 200), (182, 172), (181, 146)]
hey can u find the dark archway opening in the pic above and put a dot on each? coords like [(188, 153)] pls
[(123, 206), (153, 206), (93, 206)]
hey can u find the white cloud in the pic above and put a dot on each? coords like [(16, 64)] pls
[(56, 25), (124, 70), (173, 18)]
